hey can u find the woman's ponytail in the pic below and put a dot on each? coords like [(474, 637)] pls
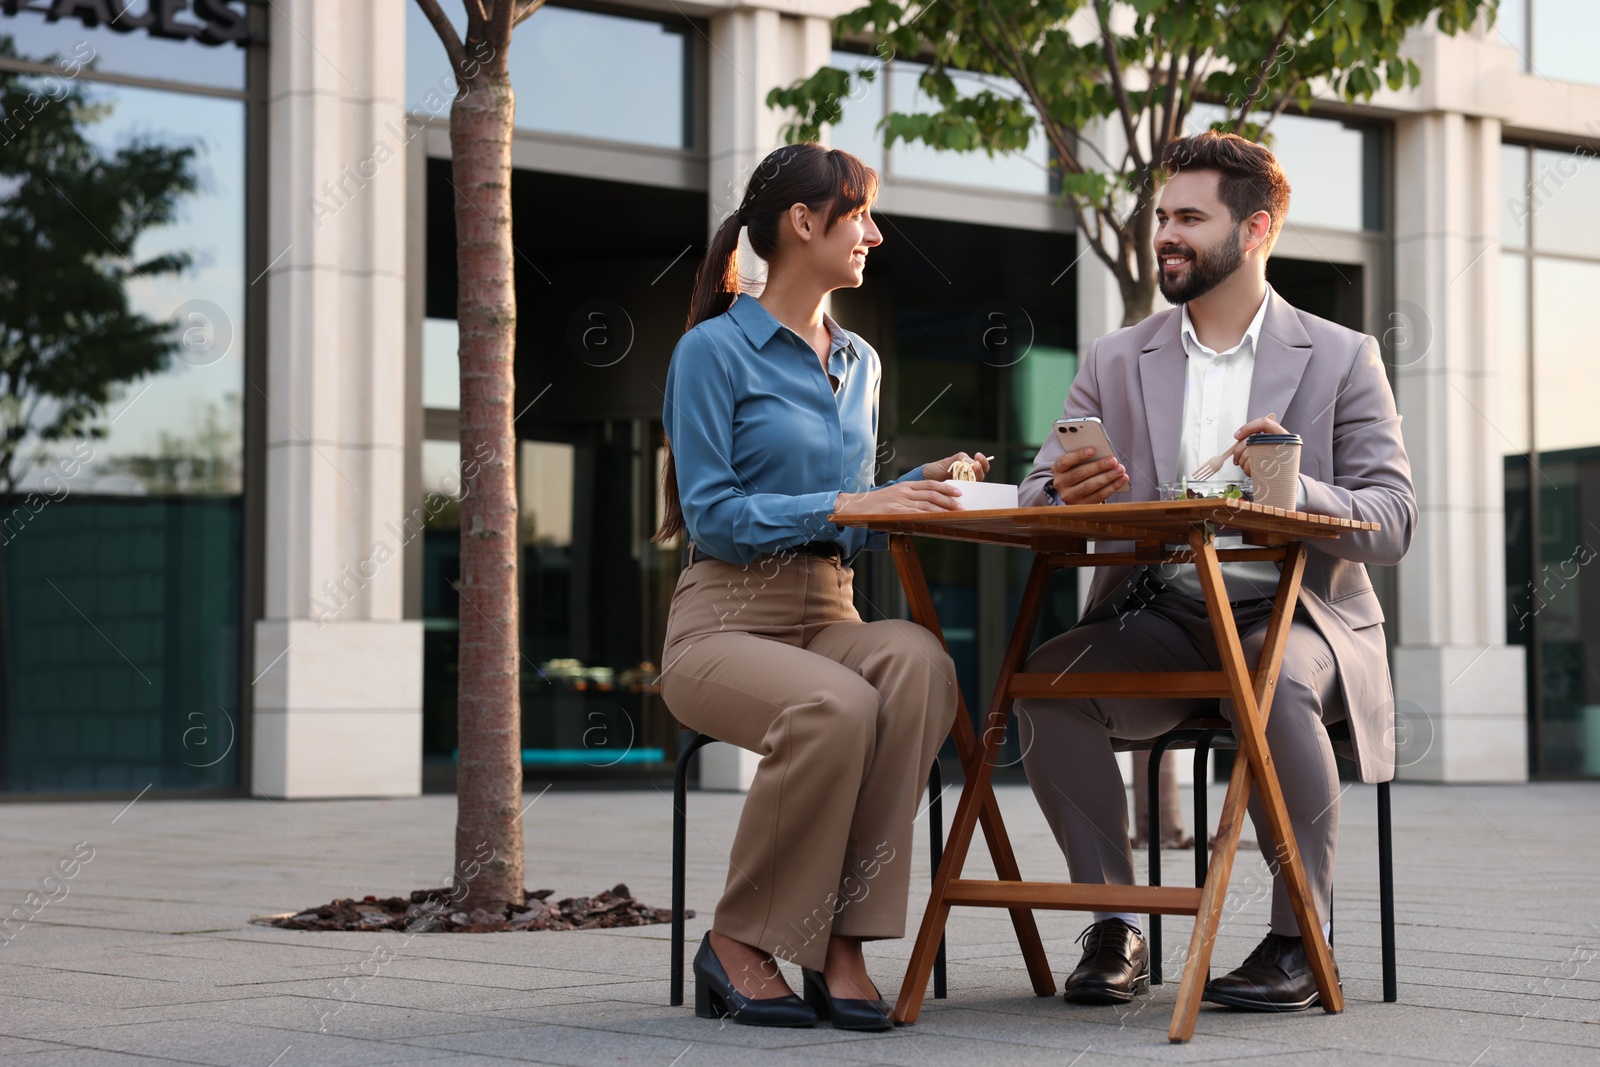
[(716, 283)]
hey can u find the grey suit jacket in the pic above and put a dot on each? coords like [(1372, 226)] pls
[(1328, 385)]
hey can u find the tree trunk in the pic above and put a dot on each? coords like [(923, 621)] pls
[(1139, 286), (489, 771)]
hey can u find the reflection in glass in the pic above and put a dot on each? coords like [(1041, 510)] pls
[(575, 72), (1511, 423), (1565, 354), (180, 429), (138, 54), (1566, 187), (120, 584)]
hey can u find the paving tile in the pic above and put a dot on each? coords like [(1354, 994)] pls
[(137, 966)]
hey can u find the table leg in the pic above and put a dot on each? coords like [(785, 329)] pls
[(1251, 706), (977, 804)]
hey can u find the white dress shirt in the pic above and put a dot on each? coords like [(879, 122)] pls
[(1216, 401)]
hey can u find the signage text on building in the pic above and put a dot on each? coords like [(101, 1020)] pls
[(210, 22)]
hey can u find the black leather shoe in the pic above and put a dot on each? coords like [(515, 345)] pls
[(846, 1014), (715, 997), (1275, 977), (1115, 966)]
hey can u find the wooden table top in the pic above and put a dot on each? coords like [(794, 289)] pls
[(1149, 522)]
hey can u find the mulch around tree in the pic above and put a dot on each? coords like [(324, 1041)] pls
[(435, 911)]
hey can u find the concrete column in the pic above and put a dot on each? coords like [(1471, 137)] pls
[(338, 691), (1461, 710), (753, 51)]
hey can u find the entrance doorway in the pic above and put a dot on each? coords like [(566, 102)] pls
[(604, 272)]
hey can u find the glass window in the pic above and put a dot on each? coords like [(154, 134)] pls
[(857, 130), (1564, 32), (1565, 189), (1039, 386), (1565, 351), (574, 72), (1512, 382), (1327, 163), (137, 53), (1561, 599), (1511, 25), (1550, 588), (441, 363), (122, 540), (1515, 205), (1027, 171)]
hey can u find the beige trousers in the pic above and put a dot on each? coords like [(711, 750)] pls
[(1073, 771), (847, 717)]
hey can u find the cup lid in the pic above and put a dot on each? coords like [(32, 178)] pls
[(1273, 439)]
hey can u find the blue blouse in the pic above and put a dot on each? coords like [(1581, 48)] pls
[(762, 442)]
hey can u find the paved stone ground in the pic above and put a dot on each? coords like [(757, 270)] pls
[(149, 957)]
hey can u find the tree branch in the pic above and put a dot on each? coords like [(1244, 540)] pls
[(1261, 76), (447, 35), (500, 23), (527, 12), (1114, 69), (1169, 119), (1019, 73)]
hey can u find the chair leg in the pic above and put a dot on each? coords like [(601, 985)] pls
[(1202, 817), (680, 825), (1391, 992), (1153, 840), (936, 856)]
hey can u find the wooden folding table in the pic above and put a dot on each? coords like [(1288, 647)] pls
[(1060, 537)]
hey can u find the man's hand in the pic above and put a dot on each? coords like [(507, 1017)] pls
[(1269, 424), (939, 469), (1079, 478), (900, 497)]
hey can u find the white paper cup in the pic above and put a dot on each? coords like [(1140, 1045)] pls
[(1274, 468), (985, 496)]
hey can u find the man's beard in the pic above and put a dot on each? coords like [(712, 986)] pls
[(1207, 270)]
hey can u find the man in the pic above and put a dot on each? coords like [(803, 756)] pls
[(1232, 359)]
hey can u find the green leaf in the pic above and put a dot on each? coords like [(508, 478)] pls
[(1352, 45)]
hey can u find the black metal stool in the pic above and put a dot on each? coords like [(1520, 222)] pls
[(1204, 735), (688, 747)]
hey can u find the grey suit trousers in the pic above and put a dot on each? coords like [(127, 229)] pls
[(1074, 773)]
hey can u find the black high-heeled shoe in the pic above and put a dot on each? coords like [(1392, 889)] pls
[(846, 1014), (716, 998)]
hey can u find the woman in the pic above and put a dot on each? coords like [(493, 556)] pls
[(772, 413)]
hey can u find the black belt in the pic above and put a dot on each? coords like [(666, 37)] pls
[(822, 549)]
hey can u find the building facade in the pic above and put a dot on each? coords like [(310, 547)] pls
[(243, 582)]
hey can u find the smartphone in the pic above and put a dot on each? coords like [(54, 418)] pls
[(1078, 434)]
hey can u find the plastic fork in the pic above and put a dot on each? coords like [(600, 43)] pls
[(1211, 466)]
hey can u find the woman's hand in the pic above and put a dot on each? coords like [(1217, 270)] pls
[(939, 469), (899, 497)]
